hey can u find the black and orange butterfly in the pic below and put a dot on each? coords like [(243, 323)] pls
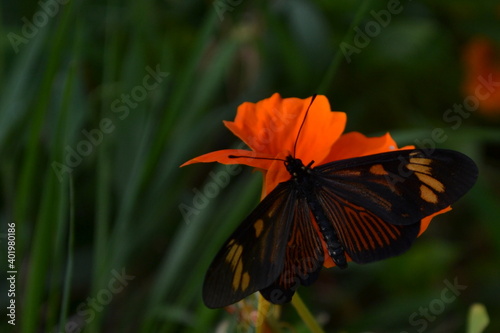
[(368, 208)]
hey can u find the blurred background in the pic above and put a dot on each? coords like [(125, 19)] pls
[(101, 101)]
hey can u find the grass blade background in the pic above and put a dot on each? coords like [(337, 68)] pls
[(89, 62)]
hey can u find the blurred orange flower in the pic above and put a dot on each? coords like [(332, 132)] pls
[(482, 74), (270, 128)]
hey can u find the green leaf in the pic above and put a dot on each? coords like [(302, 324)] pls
[(478, 318)]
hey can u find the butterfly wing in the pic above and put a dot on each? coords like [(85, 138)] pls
[(303, 259), (376, 202), (274, 250), (253, 257), (363, 234)]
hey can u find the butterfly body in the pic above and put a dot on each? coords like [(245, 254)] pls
[(307, 180), (369, 208)]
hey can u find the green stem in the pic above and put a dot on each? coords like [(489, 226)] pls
[(305, 314), (334, 65)]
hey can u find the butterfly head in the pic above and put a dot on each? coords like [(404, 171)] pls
[(295, 166)]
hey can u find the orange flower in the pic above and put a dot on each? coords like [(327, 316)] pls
[(482, 75), (270, 128)]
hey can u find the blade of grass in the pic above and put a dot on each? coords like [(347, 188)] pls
[(102, 221), (171, 159), (62, 138), (120, 241), (14, 100), (55, 312), (42, 243), (334, 65), (3, 46), (69, 260), (181, 93), (41, 252), (30, 163)]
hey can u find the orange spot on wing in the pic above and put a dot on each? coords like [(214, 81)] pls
[(378, 169)]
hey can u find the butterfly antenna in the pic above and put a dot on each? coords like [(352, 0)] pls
[(302, 125)]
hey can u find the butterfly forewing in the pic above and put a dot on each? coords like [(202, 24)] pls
[(401, 187), (253, 257)]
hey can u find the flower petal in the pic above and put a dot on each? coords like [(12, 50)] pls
[(427, 220), (222, 156), (268, 126), (322, 128), (355, 144), (271, 126), (276, 173)]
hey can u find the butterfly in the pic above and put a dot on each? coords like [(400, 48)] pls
[(366, 208)]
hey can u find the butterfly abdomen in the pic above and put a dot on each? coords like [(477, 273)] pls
[(335, 249), (303, 176)]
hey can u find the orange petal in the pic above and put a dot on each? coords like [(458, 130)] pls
[(271, 126), (276, 173), (222, 156), (355, 144), (322, 128), (427, 220), (268, 126)]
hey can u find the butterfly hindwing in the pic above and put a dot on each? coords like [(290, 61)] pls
[(376, 202), (364, 235), (254, 255)]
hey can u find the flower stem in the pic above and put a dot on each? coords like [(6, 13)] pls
[(334, 65), (305, 314)]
